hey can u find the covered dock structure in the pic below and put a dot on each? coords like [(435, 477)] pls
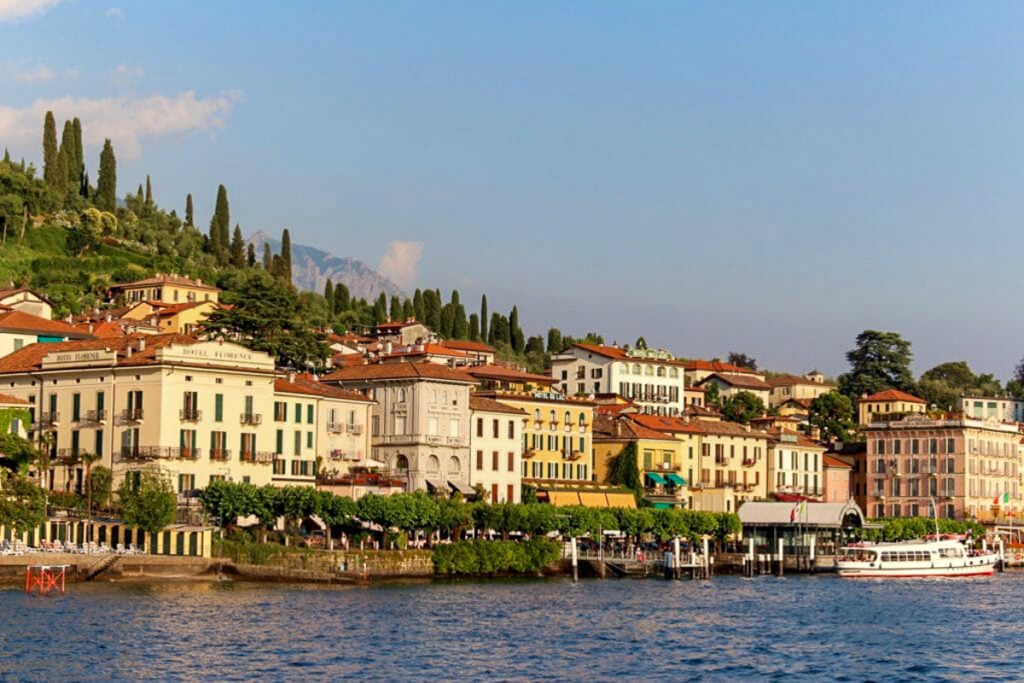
[(807, 529)]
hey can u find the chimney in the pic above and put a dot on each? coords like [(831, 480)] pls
[(90, 328), (128, 351), (291, 377), (108, 317), (142, 344), (69, 319), (199, 280)]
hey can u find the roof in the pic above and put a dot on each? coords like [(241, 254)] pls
[(802, 402), (621, 354), (693, 410), (831, 515), (489, 405), (740, 381), (716, 366), (682, 426), (466, 345), (385, 371), (305, 384), (11, 291), (612, 428), (830, 461), (501, 372), (7, 400), (894, 395), (166, 310), (797, 439), (792, 380), (19, 321), (426, 350), (165, 279), (103, 330), (30, 357)]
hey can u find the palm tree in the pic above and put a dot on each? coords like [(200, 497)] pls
[(88, 459)]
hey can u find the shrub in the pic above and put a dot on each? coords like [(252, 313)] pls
[(492, 557)]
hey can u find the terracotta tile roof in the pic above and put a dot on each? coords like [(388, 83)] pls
[(716, 366), (739, 381), (165, 279), (804, 403), (795, 380), (426, 350), (305, 384), (396, 325), (11, 291), (894, 395), (8, 400), (103, 330), (489, 405), (466, 345), (617, 428), (384, 371), (775, 438), (671, 425), (829, 461), (30, 357), (679, 425), (620, 354), (19, 321), (501, 372), (701, 411), (167, 310)]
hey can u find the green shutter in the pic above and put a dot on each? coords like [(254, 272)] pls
[(280, 442), (76, 407), (309, 414), (101, 400), (298, 412), (218, 407)]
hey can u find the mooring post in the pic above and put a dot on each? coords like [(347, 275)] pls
[(781, 557), (575, 568), (813, 539), (675, 556)]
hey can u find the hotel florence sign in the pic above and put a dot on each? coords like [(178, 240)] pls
[(77, 358), (216, 353)]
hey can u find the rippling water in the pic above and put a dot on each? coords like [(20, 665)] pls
[(724, 629)]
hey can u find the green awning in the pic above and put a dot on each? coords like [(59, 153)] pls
[(656, 478), (663, 506), (676, 479)]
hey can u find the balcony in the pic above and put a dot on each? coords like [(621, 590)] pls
[(46, 421), (132, 415), (529, 453), (251, 419), (259, 457), (571, 455), (220, 454), (190, 415), (335, 427), (69, 456), (95, 417), (141, 452), (355, 429), (749, 462), (187, 453), (721, 460), (455, 440)]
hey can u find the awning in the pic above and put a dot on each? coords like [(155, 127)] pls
[(563, 498), (656, 478), (435, 484), (317, 521), (462, 488), (676, 479), (663, 506)]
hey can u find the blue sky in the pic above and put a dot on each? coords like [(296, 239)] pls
[(765, 177)]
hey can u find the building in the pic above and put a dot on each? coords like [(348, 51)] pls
[(191, 409), (730, 385), (986, 407), (420, 424), (838, 478), (503, 378), (402, 333), (786, 387), (799, 408), (810, 530), (795, 464), (496, 445), (318, 423), (693, 396), (891, 404), (19, 329), (698, 370), (659, 458), (15, 417), (557, 436), (183, 318), (27, 301), (165, 288), (654, 380), (425, 353), (965, 465), (482, 354)]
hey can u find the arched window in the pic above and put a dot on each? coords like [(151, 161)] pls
[(433, 464), (648, 370), (401, 395), (401, 463), (673, 372), (552, 418), (568, 418), (536, 415), (636, 368), (454, 466), (661, 372), (583, 419)]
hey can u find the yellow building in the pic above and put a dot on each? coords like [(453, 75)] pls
[(785, 387), (171, 318), (166, 288), (888, 405), (659, 458), (557, 437)]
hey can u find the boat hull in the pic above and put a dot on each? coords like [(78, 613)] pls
[(977, 567)]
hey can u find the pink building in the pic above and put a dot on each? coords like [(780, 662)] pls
[(838, 480)]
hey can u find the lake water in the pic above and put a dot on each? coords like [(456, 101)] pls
[(812, 628)]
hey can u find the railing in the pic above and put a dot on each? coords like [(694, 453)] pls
[(69, 455), (721, 460), (571, 455), (187, 453), (335, 427), (253, 419), (190, 415), (749, 462), (529, 453), (265, 457), (95, 416), (220, 454), (46, 421), (132, 414), (140, 452), (355, 429)]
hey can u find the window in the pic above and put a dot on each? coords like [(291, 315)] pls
[(511, 462), (309, 439), (298, 412), (76, 407), (432, 425), (279, 443), (479, 460), (218, 407), (309, 414), (298, 443), (186, 482), (247, 451), (280, 411), (98, 448), (480, 426), (494, 428), (511, 429), (494, 461)]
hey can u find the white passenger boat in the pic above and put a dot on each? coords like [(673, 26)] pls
[(914, 559)]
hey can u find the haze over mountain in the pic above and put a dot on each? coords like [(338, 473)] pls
[(311, 268)]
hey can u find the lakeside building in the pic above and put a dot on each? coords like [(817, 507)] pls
[(966, 465), (496, 444), (891, 404), (401, 333), (988, 407), (168, 288), (795, 464), (420, 424), (838, 478), (731, 465), (15, 417), (820, 529), (654, 380), (786, 387), (732, 384), (659, 458), (19, 329), (698, 370), (183, 318), (27, 301)]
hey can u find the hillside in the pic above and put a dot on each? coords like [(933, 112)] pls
[(312, 267)]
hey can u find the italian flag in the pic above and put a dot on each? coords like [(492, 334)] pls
[(1005, 498)]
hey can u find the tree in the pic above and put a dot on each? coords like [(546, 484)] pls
[(16, 453), (189, 211), (474, 327), (483, 317), (101, 484), (380, 309), (23, 504), (237, 248), (286, 256), (268, 257), (946, 384), (106, 184), (220, 227), (625, 471), (881, 360), (89, 459), (555, 344), (250, 255), (329, 294), (832, 414), (79, 176), (711, 394), (396, 308), (342, 300), (148, 502), (741, 407), (515, 332), (741, 360), (72, 171), (418, 307), (61, 172), (50, 153), (408, 313), (149, 191)]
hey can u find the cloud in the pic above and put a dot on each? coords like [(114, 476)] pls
[(125, 74), (17, 10), (400, 261), (36, 74), (114, 13), (127, 121)]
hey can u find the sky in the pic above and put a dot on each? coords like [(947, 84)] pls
[(770, 178)]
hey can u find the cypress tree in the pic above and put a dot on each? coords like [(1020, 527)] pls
[(460, 326), (329, 294), (50, 151), (474, 327), (79, 169), (516, 337), (106, 184), (237, 256), (380, 309), (189, 215), (61, 172), (220, 226), (419, 311), (72, 172), (84, 190), (149, 191), (286, 256), (250, 255), (268, 257), (555, 344), (407, 310), (139, 197), (396, 308), (483, 318), (7, 156), (342, 300)]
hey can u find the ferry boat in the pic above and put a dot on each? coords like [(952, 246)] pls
[(913, 559)]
